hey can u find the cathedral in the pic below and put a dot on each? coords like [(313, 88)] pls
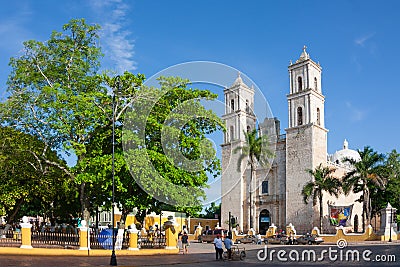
[(273, 194)]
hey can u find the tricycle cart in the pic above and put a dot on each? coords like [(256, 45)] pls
[(237, 253)]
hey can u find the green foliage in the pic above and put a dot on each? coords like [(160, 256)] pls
[(366, 177), (27, 181), (211, 211), (390, 193), (256, 150), (166, 147), (57, 95), (322, 181)]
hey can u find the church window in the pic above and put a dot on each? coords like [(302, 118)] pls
[(299, 116), (232, 133), (248, 128), (300, 83), (315, 84), (247, 106), (233, 105), (318, 117), (264, 187)]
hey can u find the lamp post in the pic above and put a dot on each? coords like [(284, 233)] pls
[(160, 222), (230, 229), (113, 260), (390, 222)]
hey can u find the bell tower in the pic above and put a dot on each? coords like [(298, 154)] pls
[(306, 137), (239, 118)]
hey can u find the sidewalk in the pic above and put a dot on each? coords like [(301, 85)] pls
[(198, 253), (56, 261)]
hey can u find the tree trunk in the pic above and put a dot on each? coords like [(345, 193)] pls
[(363, 216), (84, 205), (250, 194), (367, 207), (122, 221), (11, 218), (320, 212)]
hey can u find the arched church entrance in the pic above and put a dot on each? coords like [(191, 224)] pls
[(264, 221)]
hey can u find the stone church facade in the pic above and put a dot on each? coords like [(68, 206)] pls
[(274, 195)]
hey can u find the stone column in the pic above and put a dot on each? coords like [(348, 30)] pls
[(83, 236), (171, 234), (315, 231), (234, 235), (198, 232), (26, 232), (290, 231), (271, 230), (387, 231), (133, 238)]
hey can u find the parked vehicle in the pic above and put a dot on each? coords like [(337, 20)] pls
[(247, 239), (209, 235), (277, 239), (309, 239)]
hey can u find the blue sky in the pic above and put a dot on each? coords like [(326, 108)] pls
[(356, 42)]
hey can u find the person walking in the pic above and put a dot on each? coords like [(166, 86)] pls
[(218, 247), (228, 245), (185, 243)]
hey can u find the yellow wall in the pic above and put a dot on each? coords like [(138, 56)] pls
[(129, 219), (369, 235), (203, 222), (152, 220)]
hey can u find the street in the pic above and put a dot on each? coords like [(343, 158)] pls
[(365, 254)]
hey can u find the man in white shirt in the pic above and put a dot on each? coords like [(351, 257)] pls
[(218, 247)]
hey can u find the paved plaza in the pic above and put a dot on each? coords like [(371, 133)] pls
[(203, 255)]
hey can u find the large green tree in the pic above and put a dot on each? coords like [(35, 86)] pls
[(166, 147), (380, 197), (322, 181), (57, 95), (392, 165), (26, 180), (365, 176), (257, 152)]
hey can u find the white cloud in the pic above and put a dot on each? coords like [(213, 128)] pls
[(363, 39), (118, 45), (355, 114)]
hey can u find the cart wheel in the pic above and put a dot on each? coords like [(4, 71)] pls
[(225, 255), (242, 255)]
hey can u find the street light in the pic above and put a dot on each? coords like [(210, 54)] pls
[(113, 260), (391, 222)]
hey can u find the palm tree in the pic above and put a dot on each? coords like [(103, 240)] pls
[(322, 181), (364, 176), (257, 151)]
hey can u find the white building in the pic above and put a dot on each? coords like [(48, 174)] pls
[(274, 196)]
